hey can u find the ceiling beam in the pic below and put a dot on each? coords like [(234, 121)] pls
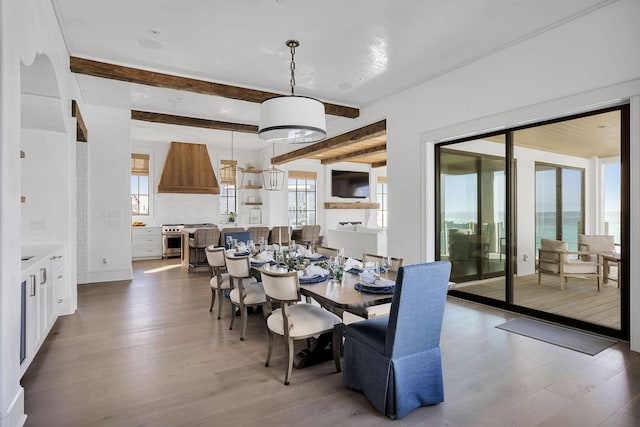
[(379, 164), (82, 134), (192, 121), (369, 131), (354, 154), (169, 81)]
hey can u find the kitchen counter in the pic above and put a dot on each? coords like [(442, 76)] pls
[(37, 254)]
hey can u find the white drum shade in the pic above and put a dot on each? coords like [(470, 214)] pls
[(293, 119)]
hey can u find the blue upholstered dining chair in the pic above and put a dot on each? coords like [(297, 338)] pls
[(396, 361)]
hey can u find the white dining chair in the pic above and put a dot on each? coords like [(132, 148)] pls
[(295, 320), (245, 291)]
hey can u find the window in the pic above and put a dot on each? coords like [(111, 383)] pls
[(302, 198), (228, 199), (139, 184), (381, 197)]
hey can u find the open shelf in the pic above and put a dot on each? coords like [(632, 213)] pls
[(351, 205)]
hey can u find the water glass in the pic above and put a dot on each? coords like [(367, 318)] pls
[(386, 264), (229, 241)]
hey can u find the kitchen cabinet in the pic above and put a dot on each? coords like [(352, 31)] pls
[(38, 305), (146, 243)]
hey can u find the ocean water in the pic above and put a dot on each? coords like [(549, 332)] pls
[(545, 225)]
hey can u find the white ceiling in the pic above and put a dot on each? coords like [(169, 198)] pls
[(351, 52)]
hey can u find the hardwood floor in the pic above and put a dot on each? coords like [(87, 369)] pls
[(149, 353), (579, 299)]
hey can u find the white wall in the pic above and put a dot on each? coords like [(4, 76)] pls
[(109, 206)]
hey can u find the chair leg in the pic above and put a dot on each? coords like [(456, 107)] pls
[(233, 315), (243, 315), (213, 299), (336, 345), (266, 363), (288, 345), (220, 297)]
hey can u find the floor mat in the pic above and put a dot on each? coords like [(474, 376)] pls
[(563, 337)]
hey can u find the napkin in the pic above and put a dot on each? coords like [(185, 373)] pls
[(368, 276), (264, 256), (352, 263), (242, 247), (314, 270)]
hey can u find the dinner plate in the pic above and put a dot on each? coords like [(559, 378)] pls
[(316, 278), (380, 283), (374, 290)]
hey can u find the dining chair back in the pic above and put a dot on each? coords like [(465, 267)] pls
[(227, 230), (396, 361), (219, 281), (280, 234), (327, 252), (245, 290), (259, 232), (295, 320), (240, 236), (310, 235), (396, 263), (202, 237)]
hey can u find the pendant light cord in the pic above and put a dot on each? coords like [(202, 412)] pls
[(292, 46)]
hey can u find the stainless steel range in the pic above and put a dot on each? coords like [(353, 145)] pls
[(172, 240)]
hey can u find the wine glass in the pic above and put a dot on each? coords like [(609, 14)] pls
[(331, 264), (229, 241), (386, 264)]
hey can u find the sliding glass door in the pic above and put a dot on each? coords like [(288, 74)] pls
[(532, 219), (472, 212)]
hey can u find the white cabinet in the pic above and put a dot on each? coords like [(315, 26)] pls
[(146, 243), (38, 305)]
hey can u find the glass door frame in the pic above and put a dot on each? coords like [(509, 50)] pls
[(510, 225)]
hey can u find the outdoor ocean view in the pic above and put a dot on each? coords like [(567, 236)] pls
[(545, 225)]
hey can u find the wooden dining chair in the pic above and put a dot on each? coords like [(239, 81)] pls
[(310, 235), (220, 280), (280, 234), (245, 291), (295, 320), (325, 251), (396, 263), (259, 232), (228, 230)]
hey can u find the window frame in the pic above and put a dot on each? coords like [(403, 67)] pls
[(299, 215), (144, 170)]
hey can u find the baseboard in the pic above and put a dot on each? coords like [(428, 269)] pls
[(109, 276), (14, 415)]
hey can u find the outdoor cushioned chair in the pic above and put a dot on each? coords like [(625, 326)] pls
[(555, 258), (395, 361)]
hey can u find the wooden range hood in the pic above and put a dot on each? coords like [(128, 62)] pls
[(188, 169)]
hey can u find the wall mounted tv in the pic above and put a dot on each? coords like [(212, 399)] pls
[(349, 184)]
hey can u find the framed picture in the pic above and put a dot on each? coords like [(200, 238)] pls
[(255, 216)]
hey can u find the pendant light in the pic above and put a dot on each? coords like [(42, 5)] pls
[(292, 118), (228, 171), (273, 178)]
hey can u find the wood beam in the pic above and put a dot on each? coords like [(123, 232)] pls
[(369, 131), (354, 154), (379, 164), (169, 81), (81, 129), (192, 121)]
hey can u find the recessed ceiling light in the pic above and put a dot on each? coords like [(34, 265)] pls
[(151, 44), (153, 31)]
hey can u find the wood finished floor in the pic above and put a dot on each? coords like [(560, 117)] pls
[(149, 353), (579, 299)]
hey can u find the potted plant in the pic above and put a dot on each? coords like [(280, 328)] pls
[(232, 216)]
